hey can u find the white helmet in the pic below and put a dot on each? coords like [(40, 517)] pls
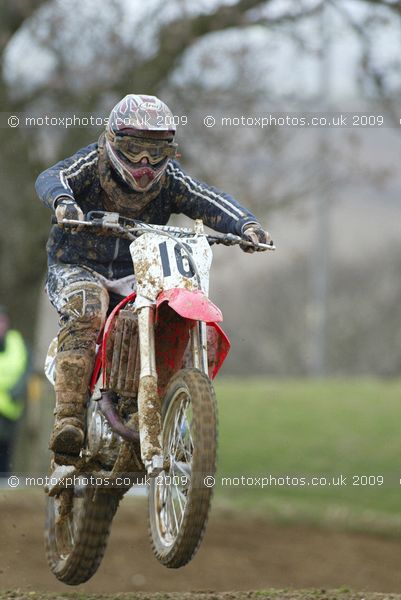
[(140, 140)]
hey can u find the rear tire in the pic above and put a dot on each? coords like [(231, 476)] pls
[(75, 544), (178, 514)]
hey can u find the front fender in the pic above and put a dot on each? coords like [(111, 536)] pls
[(191, 304)]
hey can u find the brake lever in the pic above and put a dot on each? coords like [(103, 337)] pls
[(78, 223), (230, 239)]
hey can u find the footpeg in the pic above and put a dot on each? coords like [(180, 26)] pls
[(154, 466), (58, 479)]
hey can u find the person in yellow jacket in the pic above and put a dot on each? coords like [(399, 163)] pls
[(13, 372)]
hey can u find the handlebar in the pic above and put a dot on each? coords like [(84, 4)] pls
[(131, 229)]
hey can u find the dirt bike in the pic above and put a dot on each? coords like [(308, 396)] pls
[(151, 413)]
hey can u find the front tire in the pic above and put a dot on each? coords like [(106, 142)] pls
[(178, 512)]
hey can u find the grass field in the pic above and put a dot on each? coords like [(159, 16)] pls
[(313, 429), (278, 428)]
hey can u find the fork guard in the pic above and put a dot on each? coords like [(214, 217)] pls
[(191, 304)]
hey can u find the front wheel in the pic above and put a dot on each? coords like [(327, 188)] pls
[(179, 499)]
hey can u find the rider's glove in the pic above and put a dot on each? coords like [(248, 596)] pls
[(67, 208), (253, 232)]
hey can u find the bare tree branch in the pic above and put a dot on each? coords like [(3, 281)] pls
[(291, 17), (374, 75), (12, 15), (394, 6), (176, 37)]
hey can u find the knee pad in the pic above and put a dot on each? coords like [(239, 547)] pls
[(82, 315), (85, 301)]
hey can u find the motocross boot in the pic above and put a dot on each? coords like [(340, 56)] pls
[(73, 371)]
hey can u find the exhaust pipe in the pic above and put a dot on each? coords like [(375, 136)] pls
[(109, 411)]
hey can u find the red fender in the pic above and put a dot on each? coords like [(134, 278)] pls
[(218, 348), (191, 305), (194, 305)]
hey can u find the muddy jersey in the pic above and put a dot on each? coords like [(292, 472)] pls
[(77, 177)]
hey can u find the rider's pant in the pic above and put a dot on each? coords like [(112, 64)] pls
[(81, 301)]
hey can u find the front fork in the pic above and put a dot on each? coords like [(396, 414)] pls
[(199, 346), (149, 403)]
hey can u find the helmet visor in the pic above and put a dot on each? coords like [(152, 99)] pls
[(135, 149)]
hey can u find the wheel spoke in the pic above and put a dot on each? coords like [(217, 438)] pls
[(181, 502), (174, 514), (183, 467), (179, 506), (178, 446)]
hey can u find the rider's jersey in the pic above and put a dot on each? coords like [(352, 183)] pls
[(78, 178)]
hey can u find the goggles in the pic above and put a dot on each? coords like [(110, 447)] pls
[(134, 149)]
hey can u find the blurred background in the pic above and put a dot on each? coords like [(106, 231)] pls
[(326, 303), (311, 383)]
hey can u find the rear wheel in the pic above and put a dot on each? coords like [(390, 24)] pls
[(179, 500), (78, 524)]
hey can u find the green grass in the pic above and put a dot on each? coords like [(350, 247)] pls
[(313, 428)]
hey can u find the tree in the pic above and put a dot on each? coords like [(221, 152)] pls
[(119, 61)]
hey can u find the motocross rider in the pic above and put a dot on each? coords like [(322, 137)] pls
[(130, 170)]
